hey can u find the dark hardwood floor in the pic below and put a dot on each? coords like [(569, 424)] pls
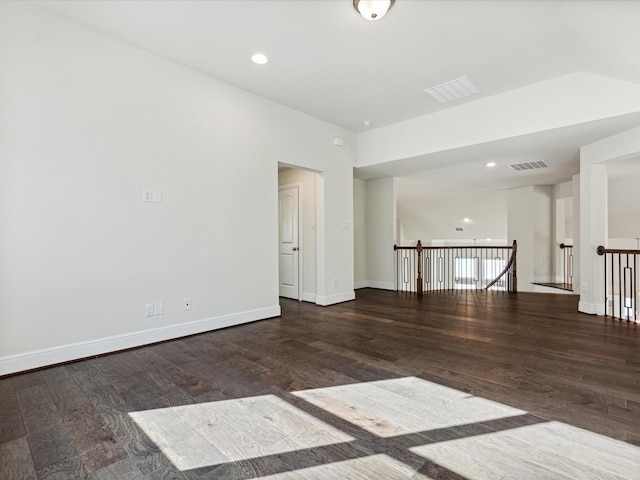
[(545, 364)]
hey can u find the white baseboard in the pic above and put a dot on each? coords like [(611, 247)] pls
[(308, 297), (556, 291), (66, 353), (332, 299), (591, 308), (382, 285), (374, 284)]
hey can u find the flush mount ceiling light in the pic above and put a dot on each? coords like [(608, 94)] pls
[(367, 123), (259, 58), (373, 9), (490, 164)]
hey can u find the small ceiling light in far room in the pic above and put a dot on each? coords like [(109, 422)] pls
[(367, 123), (466, 220), (373, 9), (490, 164), (259, 58)]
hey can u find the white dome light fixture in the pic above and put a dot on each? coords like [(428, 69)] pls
[(259, 58), (373, 9)]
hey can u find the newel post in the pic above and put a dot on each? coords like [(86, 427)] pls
[(419, 280), (515, 266)]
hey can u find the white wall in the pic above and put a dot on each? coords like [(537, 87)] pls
[(434, 215), (624, 207), (543, 239), (381, 232), (360, 233), (529, 222), (307, 179), (87, 123)]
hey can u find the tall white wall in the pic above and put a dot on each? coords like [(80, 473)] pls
[(360, 233), (529, 223), (381, 232), (87, 123), (543, 238)]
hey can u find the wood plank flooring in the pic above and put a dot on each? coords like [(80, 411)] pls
[(452, 385)]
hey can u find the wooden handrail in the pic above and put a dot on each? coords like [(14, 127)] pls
[(512, 261), (448, 247), (601, 251)]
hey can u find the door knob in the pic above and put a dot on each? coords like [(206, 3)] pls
[(295, 249)]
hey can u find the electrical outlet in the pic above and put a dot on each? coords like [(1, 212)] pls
[(148, 310), (158, 308), (147, 195), (186, 304)]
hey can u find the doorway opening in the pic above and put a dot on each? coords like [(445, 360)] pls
[(297, 242)]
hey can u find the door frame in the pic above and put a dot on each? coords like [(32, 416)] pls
[(287, 186)]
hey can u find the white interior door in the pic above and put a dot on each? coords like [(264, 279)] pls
[(288, 242)]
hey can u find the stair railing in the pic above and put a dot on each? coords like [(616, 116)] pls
[(423, 268), (621, 283), (567, 265)]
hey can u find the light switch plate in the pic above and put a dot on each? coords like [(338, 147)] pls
[(158, 308)]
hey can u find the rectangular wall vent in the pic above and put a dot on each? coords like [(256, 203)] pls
[(528, 166), (453, 90)]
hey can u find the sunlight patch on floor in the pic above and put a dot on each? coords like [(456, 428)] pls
[(206, 434), (399, 406), (541, 451), (366, 468)]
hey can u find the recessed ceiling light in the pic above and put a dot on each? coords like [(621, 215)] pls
[(259, 58), (367, 123), (466, 220), (490, 164)]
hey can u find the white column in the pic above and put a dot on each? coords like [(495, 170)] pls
[(575, 234), (593, 232)]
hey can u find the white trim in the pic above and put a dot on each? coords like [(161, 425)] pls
[(65, 353), (332, 299), (591, 308), (381, 285), (308, 297), (374, 284), (556, 291)]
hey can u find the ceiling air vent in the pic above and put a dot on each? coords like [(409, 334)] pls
[(459, 229), (453, 90), (528, 166)]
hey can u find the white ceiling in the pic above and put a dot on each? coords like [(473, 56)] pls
[(326, 61)]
